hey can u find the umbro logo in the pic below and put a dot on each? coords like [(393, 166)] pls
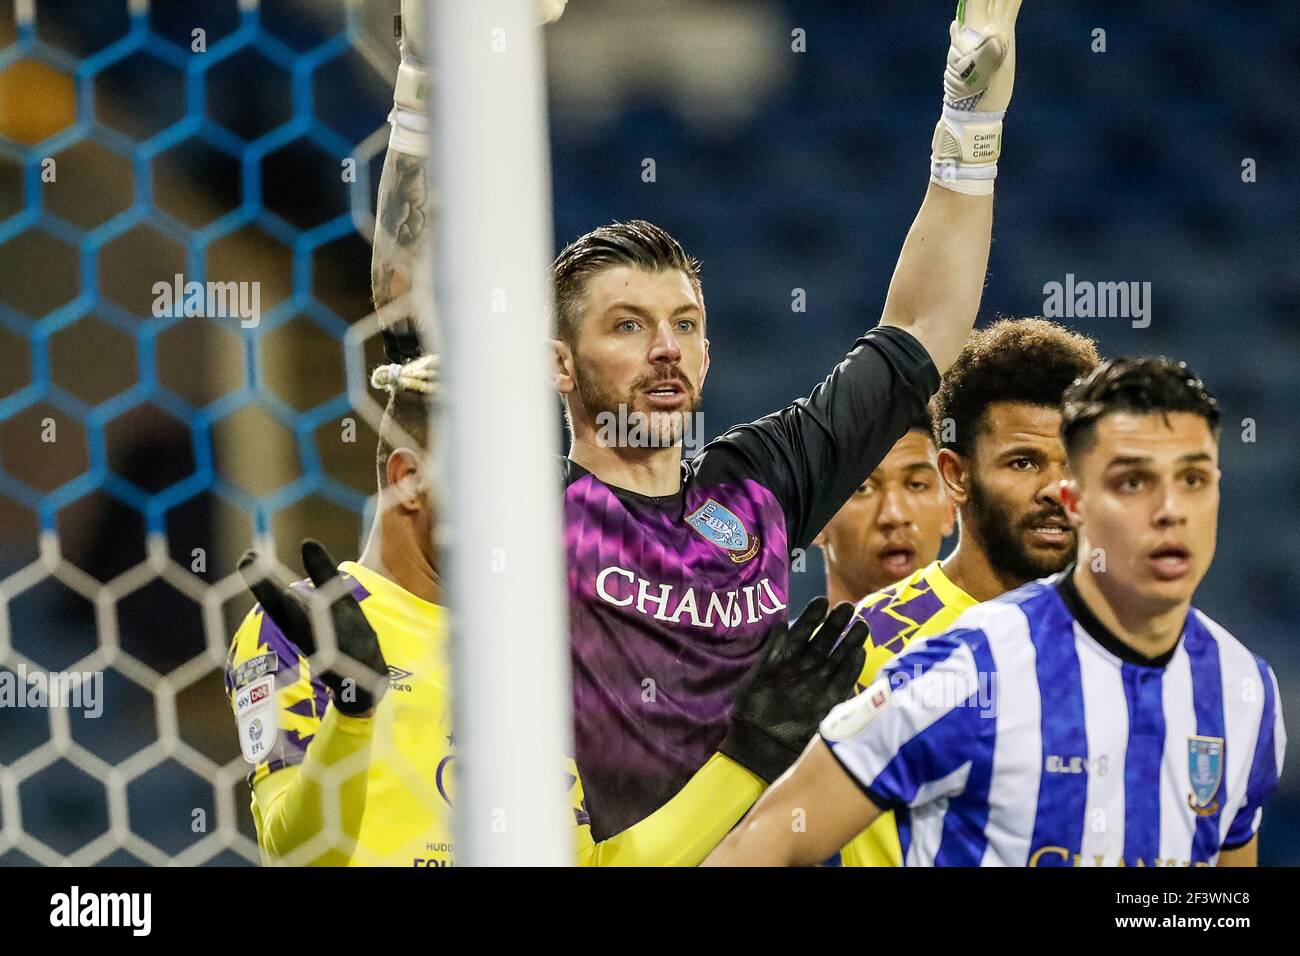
[(395, 677)]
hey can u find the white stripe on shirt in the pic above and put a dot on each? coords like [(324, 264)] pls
[(1105, 717), (1177, 824), (1017, 748)]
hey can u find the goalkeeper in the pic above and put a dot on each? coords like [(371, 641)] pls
[(679, 569)]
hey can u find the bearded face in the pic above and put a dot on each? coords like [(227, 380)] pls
[(1011, 534), (655, 407), (640, 358), (1013, 484)]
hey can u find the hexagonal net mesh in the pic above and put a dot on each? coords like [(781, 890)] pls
[(144, 444)]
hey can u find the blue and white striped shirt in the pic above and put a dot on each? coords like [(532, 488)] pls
[(1022, 736)]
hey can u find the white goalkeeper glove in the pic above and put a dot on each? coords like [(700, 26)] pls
[(409, 120), (548, 11), (410, 126), (976, 90)]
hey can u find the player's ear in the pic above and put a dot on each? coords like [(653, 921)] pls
[(955, 475), (404, 479), (1069, 493), (562, 366), (704, 369)]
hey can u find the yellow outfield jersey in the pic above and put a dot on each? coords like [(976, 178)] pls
[(404, 819), (921, 605)]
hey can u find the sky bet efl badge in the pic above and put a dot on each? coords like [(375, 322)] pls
[(255, 717), (719, 525), (1205, 770)]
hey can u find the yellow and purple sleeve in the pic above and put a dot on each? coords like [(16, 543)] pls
[(287, 795), (259, 648)]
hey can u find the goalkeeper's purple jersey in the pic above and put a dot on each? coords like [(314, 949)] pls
[(671, 598)]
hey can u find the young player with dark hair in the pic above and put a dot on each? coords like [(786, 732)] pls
[(1124, 728), (894, 522)]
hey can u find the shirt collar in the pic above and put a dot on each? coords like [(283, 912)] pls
[(944, 588), (1099, 632), (415, 611)]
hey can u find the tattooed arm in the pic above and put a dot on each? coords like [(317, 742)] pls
[(400, 261), (400, 273)]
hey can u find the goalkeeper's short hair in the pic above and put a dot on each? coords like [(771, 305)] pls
[(638, 244)]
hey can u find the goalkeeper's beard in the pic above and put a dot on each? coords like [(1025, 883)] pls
[(661, 429)]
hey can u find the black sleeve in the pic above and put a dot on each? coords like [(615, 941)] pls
[(814, 453)]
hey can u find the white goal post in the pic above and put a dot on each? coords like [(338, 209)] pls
[(502, 530)]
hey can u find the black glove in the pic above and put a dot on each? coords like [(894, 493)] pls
[(359, 676), (793, 687)]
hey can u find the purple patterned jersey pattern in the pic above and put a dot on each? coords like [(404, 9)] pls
[(671, 599)]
